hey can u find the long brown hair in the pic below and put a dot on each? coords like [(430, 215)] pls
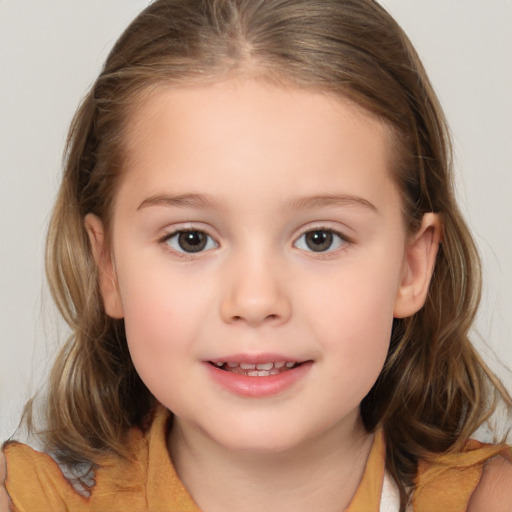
[(434, 389)]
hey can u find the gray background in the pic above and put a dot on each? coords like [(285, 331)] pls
[(50, 52)]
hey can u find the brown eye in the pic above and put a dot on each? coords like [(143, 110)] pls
[(190, 241), (320, 240)]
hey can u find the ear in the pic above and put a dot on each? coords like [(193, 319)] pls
[(106, 268), (419, 263)]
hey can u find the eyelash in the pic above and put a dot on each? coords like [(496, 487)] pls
[(179, 250), (342, 241)]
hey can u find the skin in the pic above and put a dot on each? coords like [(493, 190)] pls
[(266, 163), (253, 149), (494, 491)]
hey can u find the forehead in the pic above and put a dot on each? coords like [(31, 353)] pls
[(249, 132), (241, 100)]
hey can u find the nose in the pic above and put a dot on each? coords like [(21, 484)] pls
[(255, 293)]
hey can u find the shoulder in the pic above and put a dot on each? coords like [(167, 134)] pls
[(21, 457), (494, 491), (477, 478), (32, 480), (4, 497), (37, 482)]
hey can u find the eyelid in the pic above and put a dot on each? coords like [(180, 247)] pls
[(345, 240), (187, 228), (175, 230)]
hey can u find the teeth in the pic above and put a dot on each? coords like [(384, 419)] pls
[(265, 366), (257, 370)]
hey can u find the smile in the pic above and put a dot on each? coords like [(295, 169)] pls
[(257, 379), (256, 370)]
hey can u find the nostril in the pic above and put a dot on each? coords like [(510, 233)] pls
[(267, 317)]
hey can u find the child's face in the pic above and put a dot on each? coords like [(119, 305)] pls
[(258, 224)]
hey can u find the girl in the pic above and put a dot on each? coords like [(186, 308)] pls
[(257, 247)]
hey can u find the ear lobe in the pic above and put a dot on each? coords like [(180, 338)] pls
[(419, 263), (106, 269)]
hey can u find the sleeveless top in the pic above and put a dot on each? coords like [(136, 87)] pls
[(148, 482)]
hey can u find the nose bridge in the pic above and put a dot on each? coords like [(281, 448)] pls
[(255, 288)]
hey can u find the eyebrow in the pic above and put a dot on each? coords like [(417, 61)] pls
[(331, 200), (203, 201), (181, 201)]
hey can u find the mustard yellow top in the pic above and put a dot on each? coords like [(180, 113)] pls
[(36, 483)]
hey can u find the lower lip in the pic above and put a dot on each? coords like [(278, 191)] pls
[(258, 387)]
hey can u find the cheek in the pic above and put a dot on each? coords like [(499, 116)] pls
[(161, 324), (356, 300), (352, 319)]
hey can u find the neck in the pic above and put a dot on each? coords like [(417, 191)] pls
[(321, 474)]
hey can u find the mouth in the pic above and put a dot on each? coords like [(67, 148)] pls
[(256, 369), (257, 376)]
